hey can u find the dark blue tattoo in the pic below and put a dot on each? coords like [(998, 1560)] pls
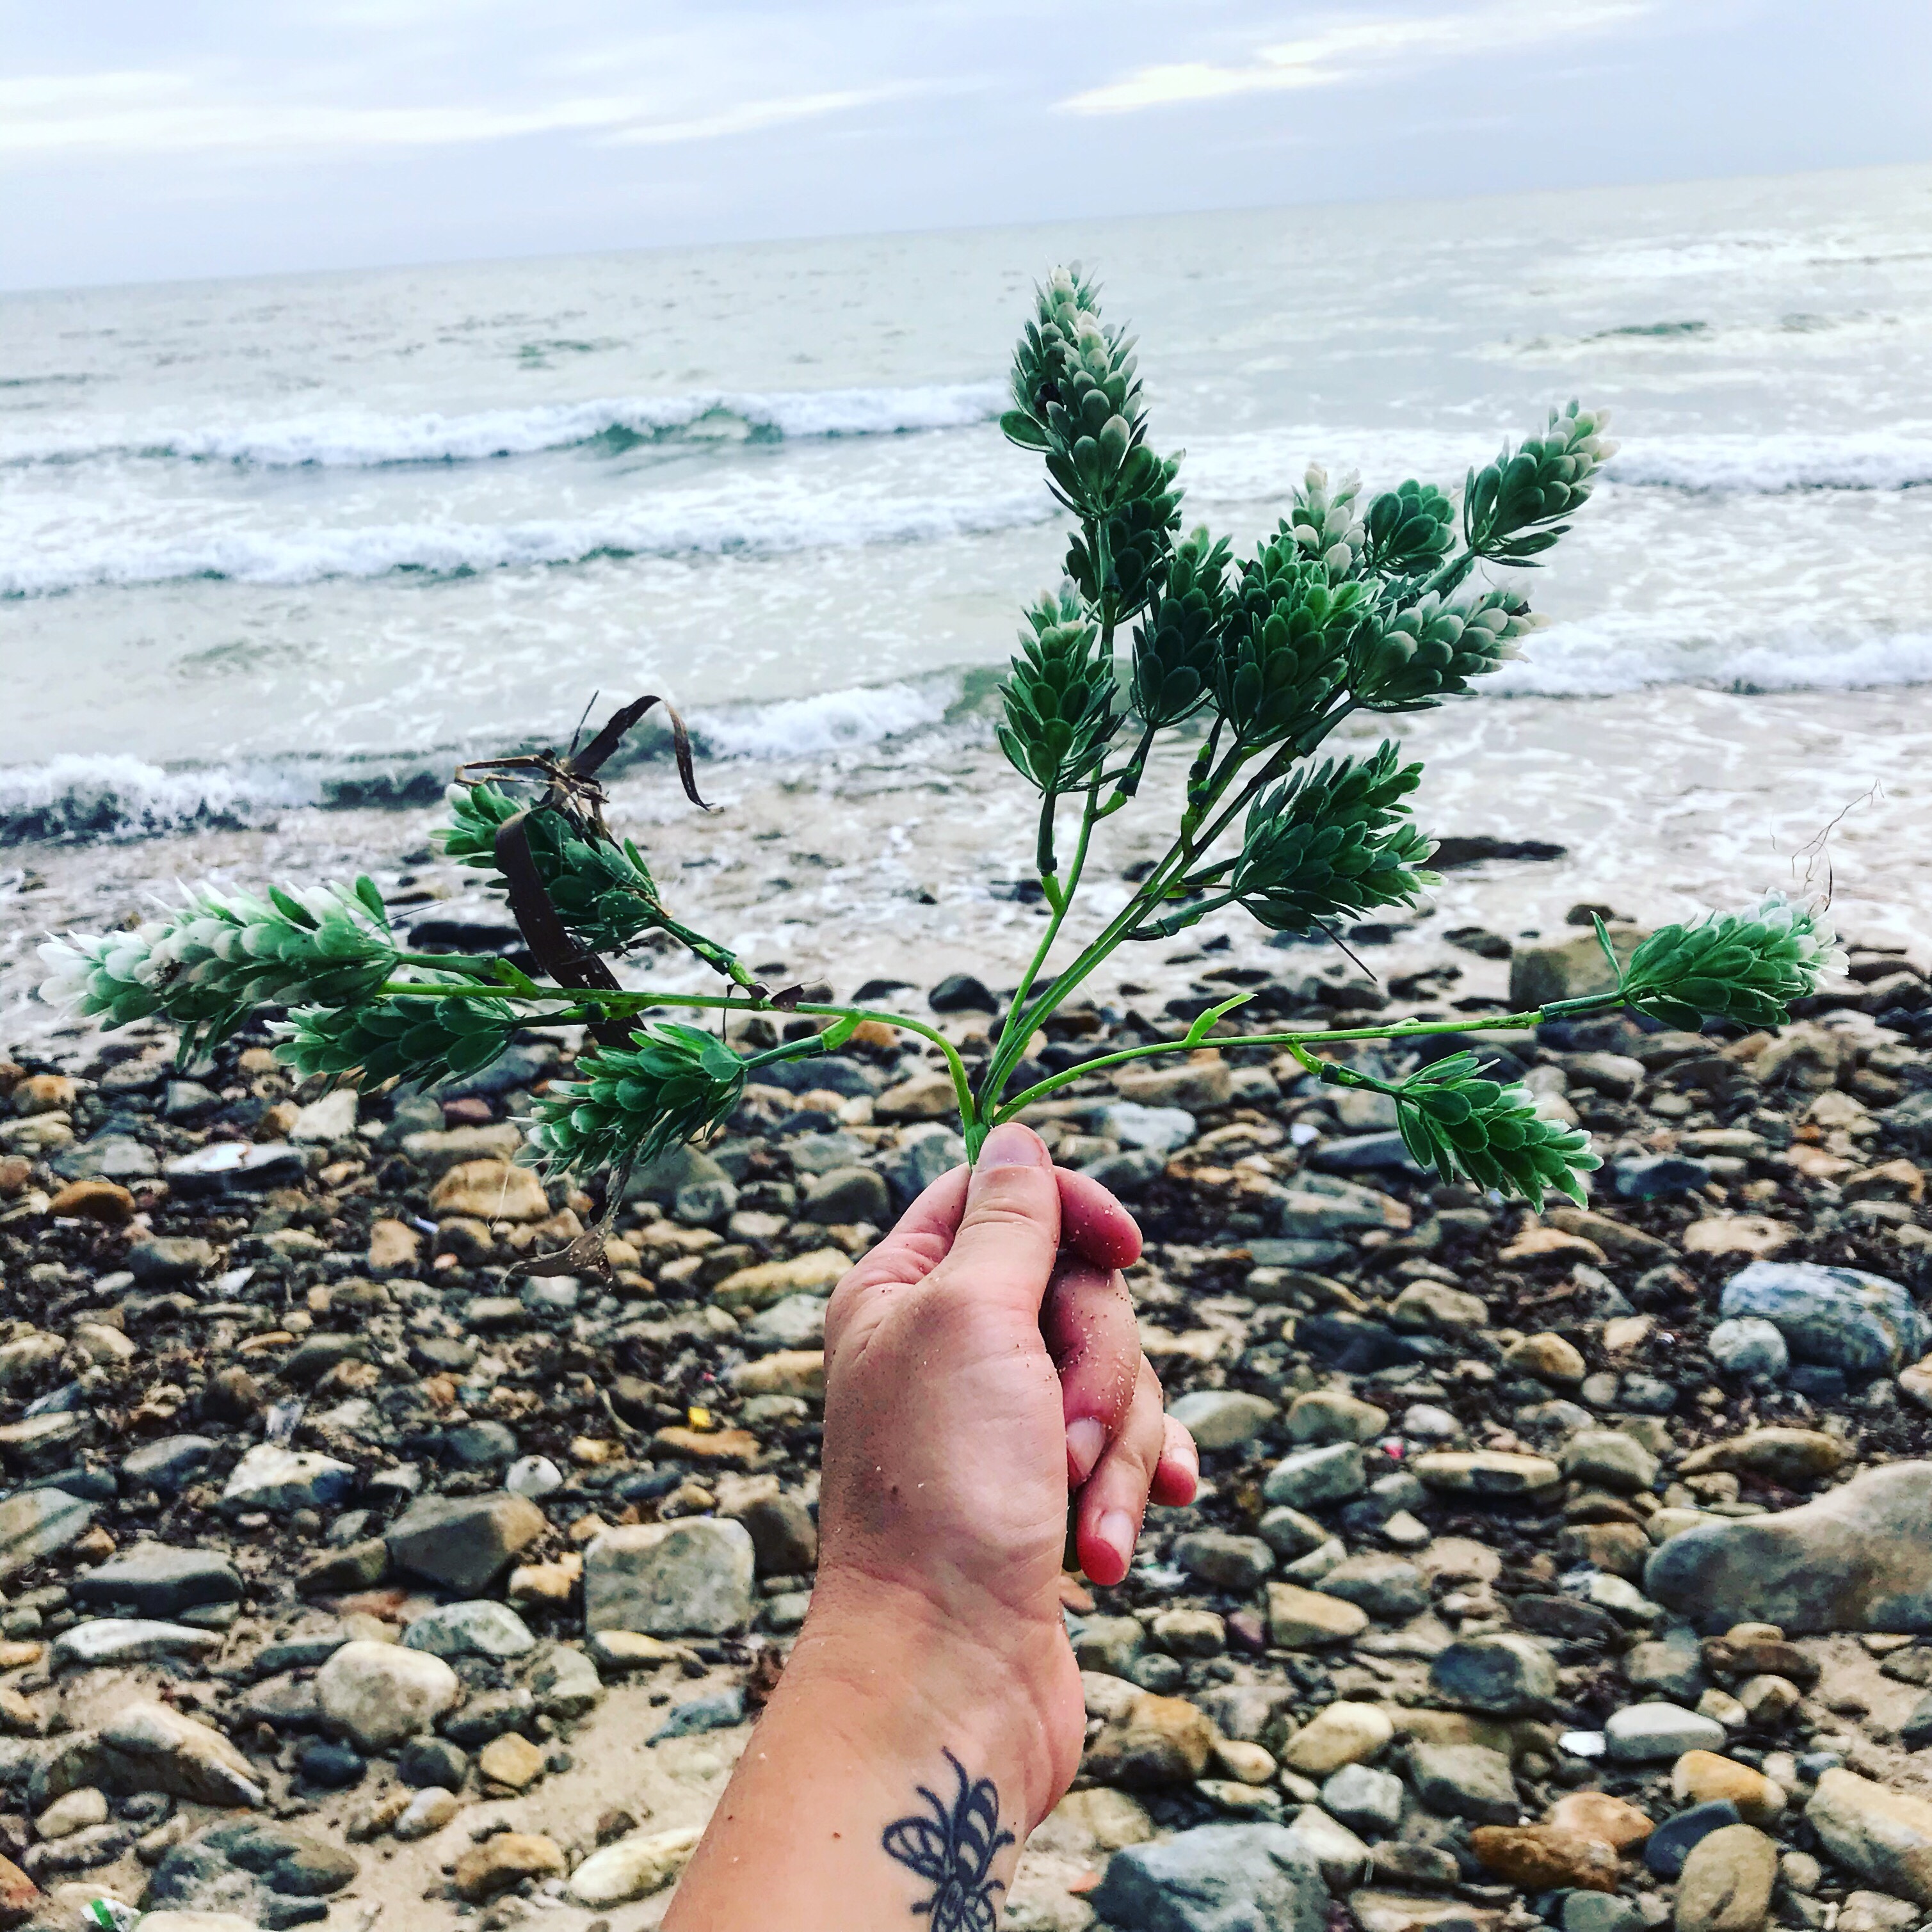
[(955, 1850)]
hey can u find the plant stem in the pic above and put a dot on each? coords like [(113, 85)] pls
[(641, 999), (1298, 1043), (1007, 1056)]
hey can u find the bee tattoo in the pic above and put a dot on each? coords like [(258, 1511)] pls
[(954, 1850)]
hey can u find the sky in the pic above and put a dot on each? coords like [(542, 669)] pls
[(221, 137)]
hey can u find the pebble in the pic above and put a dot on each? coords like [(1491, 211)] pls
[(1642, 1733), (1726, 1882), (1316, 1478), (1341, 1733), (380, 1694)]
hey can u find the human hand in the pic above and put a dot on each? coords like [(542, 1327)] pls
[(982, 1361)]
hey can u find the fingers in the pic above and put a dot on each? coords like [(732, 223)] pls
[(1096, 1224), (1009, 1234), (1095, 1342), (1114, 1498), (920, 1239), (1178, 1474)]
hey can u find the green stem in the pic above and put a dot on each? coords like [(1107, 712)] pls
[(1007, 1055), (641, 999), (1297, 1043)]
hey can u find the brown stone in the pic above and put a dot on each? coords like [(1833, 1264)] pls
[(1545, 1857), (1705, 1777), (20, 1896), (1300, 1619), (735, 1448), (1159, 1741), (490, 1190), (1614, 1821), (1788, 1456), (487, 1870), (106, 1202), (394, 1248), (511, 1761), (1620, 1548), (1751, 1656), (1548, 1357), (1726, 1882)]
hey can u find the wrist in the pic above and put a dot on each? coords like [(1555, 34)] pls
[(909, 1681)]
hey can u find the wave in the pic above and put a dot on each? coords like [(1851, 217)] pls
[(832, 721), (73, 799), (1258, 465), (1600, 657), (772, 526), (107, 796), (363, 440)]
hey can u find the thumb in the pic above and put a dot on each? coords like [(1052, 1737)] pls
[(1009, 1233)]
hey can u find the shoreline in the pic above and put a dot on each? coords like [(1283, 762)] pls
[(902, 859)]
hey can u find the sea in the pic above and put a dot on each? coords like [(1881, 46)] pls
[(287, 545)]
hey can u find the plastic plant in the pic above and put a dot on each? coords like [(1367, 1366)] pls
[(1347, 607)]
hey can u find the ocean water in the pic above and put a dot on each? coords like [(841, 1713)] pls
[(271, 543)]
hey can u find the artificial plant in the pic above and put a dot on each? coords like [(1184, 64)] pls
[(1349, 606)]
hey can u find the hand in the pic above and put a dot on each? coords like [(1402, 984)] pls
[(977, 1370)]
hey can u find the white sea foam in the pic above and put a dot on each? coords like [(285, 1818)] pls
[(364, 438), (767, 522), (111, 796), (830, 721), (1263, 464), (1597, 657)]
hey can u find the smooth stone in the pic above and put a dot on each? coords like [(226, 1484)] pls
[(35, 1523), (666, 1579), (103, 1640), (1326, 1415), (633, 1867), (1312, 1478), (1666, 1848), (463, 1544), (1215, 1878), (1545, 1857), (1726, 1882), (1301, 1619), (1485, 1472), (1364, 1799), (156, 1580), (1843, 1318), (1609, 1458), (1642, 1733), (1225, 1560), (1339, 1734), (282, 1480), (481, 1628), (1884, 1836), (1506, 1676), (1705, 1776), (717, 1712), (1748, 1346), (1222, 1418), (380, 1694), (1858, 1558), (1464, 1780), (1384, 1585)]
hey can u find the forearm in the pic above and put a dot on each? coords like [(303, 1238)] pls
[(891, 1763)]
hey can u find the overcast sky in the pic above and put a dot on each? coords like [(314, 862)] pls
[(211, 137)]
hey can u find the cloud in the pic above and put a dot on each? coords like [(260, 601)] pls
[(1346, 52), (747, 117), (159, 113)]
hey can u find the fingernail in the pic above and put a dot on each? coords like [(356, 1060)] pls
[(1085, 1439), (1010, 1145), (1116, 1529)]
